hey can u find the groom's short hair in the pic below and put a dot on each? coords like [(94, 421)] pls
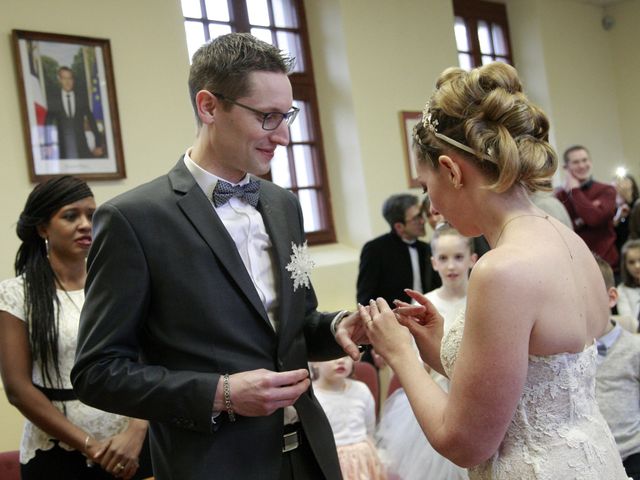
[(223, 65)]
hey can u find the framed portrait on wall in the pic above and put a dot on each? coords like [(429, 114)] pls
[(69, 108), (407, 122)]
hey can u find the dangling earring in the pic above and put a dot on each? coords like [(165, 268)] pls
[(46, 246)]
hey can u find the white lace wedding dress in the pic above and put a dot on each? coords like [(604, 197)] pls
[(557, 431)]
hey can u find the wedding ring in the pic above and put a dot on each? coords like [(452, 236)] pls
[(119, 466)]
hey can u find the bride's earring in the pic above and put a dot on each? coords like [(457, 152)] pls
[(46, 245)]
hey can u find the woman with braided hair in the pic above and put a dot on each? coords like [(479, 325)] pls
[(39, 315), (521, 359)]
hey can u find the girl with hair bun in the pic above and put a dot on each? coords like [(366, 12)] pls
[(522, 359), (39, 315)]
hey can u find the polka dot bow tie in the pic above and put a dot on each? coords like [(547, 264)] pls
[(249, 192)]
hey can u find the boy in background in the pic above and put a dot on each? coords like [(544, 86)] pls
[(618, 382)]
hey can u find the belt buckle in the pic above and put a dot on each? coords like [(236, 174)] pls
[(290, 441)]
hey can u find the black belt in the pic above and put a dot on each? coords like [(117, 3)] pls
[(292, 437), (58, 394)]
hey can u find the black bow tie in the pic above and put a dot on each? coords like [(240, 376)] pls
[(413, 245), (249, 192)]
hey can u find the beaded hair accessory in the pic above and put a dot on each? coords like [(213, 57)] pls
[(431, 124)]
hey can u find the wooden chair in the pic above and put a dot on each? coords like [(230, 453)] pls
[(10, 465), (367, 373)]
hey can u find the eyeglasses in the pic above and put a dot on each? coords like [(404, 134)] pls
[(415, 219), (270, 120)]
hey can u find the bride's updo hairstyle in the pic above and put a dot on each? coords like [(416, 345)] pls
[(485, 115)]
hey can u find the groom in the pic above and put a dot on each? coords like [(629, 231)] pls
[(192, 319)]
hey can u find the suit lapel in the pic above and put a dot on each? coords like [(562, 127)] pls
[(276, 224), (197, 208)]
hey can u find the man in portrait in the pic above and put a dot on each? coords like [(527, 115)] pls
[(68, 112)]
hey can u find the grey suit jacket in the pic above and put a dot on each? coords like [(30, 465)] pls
[(170, 307)]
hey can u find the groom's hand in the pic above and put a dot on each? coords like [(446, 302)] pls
[(350, 333), (261, 392)]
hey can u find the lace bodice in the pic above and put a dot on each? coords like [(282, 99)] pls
[(100, 424), (557, 431)]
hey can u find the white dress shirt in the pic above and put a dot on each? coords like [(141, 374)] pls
[(246, 227), (68, 101)]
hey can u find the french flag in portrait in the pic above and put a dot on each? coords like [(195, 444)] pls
[(36, 84)]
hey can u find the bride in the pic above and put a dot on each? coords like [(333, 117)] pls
[(522, 358)]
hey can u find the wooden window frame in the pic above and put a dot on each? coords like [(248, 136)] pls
[(473, 11)]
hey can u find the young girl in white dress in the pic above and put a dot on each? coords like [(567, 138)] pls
[(403, 447), (350, 408), (629, 290)]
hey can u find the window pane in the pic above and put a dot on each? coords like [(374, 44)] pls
[(258, 12), (498, 59), (217, 10), (216, 29), (290, 42), (487, 59), (499, 39), (464, 60), (284, 13), (280, 173), (462, 40), (191, 8), (299, 130), (195, 36), (303, 159), (263, 34), (310, 209), (484, 38)]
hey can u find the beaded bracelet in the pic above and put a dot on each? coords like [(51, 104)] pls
[(226, 388)]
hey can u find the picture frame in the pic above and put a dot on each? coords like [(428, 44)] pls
[(407, 121), (69, 108)]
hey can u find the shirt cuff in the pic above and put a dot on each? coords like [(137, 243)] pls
[(337, 319)]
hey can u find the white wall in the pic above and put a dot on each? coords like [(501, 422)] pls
[(582, 75)]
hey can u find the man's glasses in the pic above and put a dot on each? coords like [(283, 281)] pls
[(415, 219), (270, 120)]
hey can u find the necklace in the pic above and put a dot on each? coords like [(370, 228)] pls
[(546, 217)]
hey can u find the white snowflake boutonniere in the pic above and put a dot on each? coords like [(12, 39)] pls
[(300, 266)]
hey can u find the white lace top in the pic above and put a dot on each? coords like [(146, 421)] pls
[(557, 432), (100, 424)]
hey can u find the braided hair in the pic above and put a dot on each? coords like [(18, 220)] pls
[(40, 299)]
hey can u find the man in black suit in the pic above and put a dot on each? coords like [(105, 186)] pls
[(72, 118), (199, 313), (396, 260)]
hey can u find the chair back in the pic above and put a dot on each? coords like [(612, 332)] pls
[(367, 373), (10, 465), (394, 384)]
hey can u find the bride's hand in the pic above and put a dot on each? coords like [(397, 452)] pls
[(390, 339), (423, 321)]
